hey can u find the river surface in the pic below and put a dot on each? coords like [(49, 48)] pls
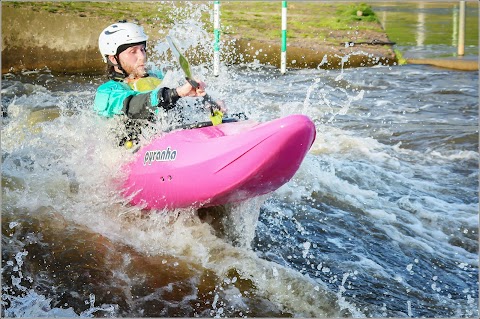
[(381, 219), (429, 29)]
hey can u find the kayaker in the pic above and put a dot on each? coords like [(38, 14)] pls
[(132, 92)]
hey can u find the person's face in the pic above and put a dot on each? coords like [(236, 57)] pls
[(133, 60)]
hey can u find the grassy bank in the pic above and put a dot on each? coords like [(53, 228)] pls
[(261, 20), (306, 20), (315, 30)]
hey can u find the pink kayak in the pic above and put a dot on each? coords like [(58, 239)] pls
[(220, 164)]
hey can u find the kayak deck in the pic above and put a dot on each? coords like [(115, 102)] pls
[(219, 164)]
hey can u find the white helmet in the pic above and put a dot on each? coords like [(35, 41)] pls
[(118, 34)]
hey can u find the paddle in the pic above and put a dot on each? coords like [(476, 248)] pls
[(215, 115)]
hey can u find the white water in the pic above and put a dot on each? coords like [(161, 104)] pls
[(381, 219)]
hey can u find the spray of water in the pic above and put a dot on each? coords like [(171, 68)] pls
[(73, 246)]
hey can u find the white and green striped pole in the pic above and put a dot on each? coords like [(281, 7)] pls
[(283, 57), (216, 33)]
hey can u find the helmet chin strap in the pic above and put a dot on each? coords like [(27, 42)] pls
[(118, 65)]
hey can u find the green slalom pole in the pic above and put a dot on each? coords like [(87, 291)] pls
[(216, 33), (283, 58)]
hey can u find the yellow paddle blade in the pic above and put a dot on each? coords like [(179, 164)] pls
[(216, 118), (182, 60)]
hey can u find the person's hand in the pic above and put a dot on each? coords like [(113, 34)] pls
[(188, 90), (222, 106)]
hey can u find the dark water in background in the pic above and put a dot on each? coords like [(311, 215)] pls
[(381, 220)]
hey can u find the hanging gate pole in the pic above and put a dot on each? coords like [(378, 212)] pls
[(283, 62), (216, 33)]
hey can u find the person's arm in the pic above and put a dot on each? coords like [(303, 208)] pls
[(116, 98), (113, 98), (142, 105)]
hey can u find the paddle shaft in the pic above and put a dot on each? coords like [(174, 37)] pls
[(185, 66), (206, 97)]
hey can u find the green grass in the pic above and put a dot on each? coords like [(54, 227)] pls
[(401, 60), (145, 12), (259, 20), (349, 13), (305, 20)]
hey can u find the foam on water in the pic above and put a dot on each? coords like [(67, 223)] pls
[(68, 167), (358, 179), (369, 225)]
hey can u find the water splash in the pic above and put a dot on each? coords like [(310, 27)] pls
[(369, 226)]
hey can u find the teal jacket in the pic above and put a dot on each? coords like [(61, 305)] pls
[(116, 97)]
